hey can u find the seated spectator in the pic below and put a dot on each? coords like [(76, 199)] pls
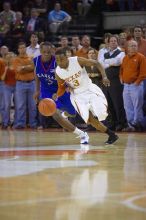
[(41, 7), (4, 30), (110, 5), (8, 15), (140, 5), (83, 6), (34, 24), (122, 5), (17, 30), (58, 19)]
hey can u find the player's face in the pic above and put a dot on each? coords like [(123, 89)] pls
[(62, 61), (46, 52)]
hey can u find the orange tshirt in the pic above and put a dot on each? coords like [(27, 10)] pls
[(142, 47), (21, 75), (133, 69), (10, 78)]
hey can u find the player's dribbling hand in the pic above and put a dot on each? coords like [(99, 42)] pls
[(106, 81)]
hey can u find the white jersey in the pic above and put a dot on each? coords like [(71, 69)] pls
[(85, 96), (75, 76)]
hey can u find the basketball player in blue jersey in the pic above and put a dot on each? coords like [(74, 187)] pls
[(46, 87)]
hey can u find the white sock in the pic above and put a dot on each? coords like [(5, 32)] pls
[(78, 131)]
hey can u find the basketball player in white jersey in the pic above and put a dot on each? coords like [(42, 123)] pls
[(87, 98)]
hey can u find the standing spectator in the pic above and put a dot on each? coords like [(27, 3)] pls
[(9, 88), (93, 71), (76, 44), (63, 42), (86, 44), (111, 63), (25, 88), (144, 31), (4, 51), (58, 19), (8, 15), (33, 50), (138, 37), (104, 49), (132, 74), (123, 41)]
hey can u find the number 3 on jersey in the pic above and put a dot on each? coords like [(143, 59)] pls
[(76, 83)]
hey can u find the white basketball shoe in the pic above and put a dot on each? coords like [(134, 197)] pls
[(84, 138)]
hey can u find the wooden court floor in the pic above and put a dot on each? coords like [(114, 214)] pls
[(48, 175)]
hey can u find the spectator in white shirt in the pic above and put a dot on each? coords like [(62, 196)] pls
[(114, 93), (33, 50), (104, 49)]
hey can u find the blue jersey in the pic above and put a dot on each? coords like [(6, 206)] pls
[(45, 71)]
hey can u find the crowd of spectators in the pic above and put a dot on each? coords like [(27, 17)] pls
[(31, 25)]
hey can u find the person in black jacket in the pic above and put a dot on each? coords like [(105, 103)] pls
[(112, 61)]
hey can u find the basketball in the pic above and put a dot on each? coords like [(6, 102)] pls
[(47, 107)]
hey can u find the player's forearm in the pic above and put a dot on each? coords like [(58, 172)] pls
[(101, 69)]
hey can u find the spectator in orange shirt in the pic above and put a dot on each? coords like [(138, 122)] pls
[(25, 88), (138, 37), (9, 88), (132, 74), (86, 45)]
